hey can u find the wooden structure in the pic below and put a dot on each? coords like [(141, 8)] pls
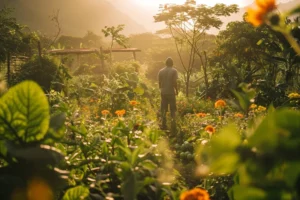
[(99, 52)]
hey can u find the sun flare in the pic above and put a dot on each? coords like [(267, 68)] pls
[(210, 3)]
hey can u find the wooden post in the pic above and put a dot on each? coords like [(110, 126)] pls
[(101, 57), (8, 68), (134, 55), (39, 49), (78, 59)]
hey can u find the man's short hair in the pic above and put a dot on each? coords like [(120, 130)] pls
[(169, 62)]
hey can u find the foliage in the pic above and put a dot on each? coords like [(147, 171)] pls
[(25, 138), (12, 38), (188, 24), (116, 36), (43, 70), (125, 67), (265, 161)]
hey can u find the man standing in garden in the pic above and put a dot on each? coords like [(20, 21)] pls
[(167, 80)]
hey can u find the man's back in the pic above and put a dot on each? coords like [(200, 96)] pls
[(166, 78)]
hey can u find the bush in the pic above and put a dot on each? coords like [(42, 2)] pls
[(42, 70), (125, 66)]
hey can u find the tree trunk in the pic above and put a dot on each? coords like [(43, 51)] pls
[(187, 85), (8, 69), (205, 73)]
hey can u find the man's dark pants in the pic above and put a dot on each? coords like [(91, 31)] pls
[(168, 99)]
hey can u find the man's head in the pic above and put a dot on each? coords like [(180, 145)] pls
[(169, 62)]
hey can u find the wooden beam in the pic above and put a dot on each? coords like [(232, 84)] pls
[(134, 55)]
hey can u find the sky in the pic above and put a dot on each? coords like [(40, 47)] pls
[(155, 3)]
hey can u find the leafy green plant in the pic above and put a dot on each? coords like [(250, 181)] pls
[(265, 162), (27, 131)]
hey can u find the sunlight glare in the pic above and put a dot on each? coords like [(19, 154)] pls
[(210, 3)]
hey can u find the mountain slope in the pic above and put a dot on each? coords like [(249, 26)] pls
[(144, 15), (76, 16)]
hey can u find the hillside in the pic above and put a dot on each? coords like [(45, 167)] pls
[(144, 15), (76, 16)]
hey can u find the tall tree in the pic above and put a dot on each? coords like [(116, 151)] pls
[(116, 36), (188, 24), (12, 39)]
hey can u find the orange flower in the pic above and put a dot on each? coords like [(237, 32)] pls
[(120, 113), (201, 114), (133, 103), (238, 115), (210, 129), (105, 112), (195, 194), (37, 189), (266, 5), (220, 104), (257, 15)]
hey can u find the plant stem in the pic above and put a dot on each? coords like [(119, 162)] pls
[(292, 42)]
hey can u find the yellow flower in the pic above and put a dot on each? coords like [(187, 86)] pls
[(195, 194), (220, 104), (201, 114), (37, 189), (210, 129), (133, 103), (294, 95), (120, 113), (105, 112), (257, 15), (261, 109), (253, 106), (238, 115)]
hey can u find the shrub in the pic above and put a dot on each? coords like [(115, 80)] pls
[(42, 70)]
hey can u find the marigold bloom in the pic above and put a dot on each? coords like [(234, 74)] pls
[(201, 114), (38, 189), (210, 129), (253, 106), (120, 113), (220, 104), (195, 194), (266, 5), (105, 112), (256, 15), (294, 95), (133, 103), (238, 115), (261, 108)]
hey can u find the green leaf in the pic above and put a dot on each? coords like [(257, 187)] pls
[(247, 193), (291, 173), (226, 163), (223, 150), (279, 127), (260, 42), (243, 100), (3, 149), (139, 91), (129, 187), (56, 127), (42, 155), (295, 10), (24, 113), (148, 164), (76, 193)]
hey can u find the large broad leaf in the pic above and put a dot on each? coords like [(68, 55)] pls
[(76, 193), (247, 193), (129, 187), (139, 91), (24, 113)]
